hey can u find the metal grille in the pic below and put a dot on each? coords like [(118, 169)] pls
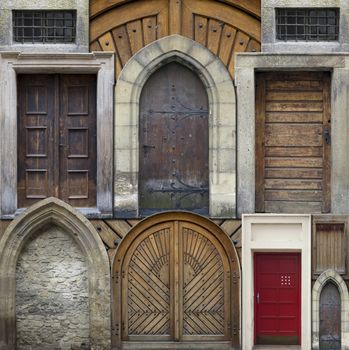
[(44, 26), (307, 24)]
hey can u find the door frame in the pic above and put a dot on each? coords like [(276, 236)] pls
[(299, 271), (275, 233), (99, 63), (118, 272)]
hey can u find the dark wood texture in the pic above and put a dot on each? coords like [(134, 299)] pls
[(224, 27), (330, 318), (293, 142), (176, 279), (77, 140), (330, 244), (173, 138), (57, 139), (36, 112)]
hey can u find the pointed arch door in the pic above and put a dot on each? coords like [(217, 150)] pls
[(173, 139), (176, 283)]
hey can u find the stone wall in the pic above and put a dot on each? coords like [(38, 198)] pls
[(52, 309)]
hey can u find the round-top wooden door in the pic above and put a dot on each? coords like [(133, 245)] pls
[(175, 282)]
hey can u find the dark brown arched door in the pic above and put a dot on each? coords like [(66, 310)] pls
[(173, 141), (177, 279), (330, 318)]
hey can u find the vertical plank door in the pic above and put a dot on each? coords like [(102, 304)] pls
[(293, 138), (173, 139)]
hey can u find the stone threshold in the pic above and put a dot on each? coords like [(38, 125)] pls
[(276, 347)]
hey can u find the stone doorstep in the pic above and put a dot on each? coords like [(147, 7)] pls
[(276, 347)]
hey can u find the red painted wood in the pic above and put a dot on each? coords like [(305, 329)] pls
[(278, 310)]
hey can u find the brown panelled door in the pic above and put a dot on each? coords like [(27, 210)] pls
[(173, 165), (176, 284), (293, 141), (57, 139)]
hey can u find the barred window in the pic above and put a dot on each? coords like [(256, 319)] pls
[(33, 26), (307, 24)]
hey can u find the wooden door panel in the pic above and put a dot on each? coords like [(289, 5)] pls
[(148, 289), (36, 110), (78, 144), (293, 142), (173, 142), (206, 283), (277, 298)]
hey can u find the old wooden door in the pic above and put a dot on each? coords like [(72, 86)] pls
[(57, 139), (176, 285), (277, 298), (293, 138), (330, 318), (173, 139)]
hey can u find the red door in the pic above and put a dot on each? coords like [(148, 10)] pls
[(277, 298)]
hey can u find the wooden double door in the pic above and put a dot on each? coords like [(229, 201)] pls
[(57, 138), (176, 284)]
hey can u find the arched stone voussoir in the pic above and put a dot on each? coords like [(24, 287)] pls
[(52, 211)]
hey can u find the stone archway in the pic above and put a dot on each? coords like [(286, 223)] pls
[(55, 213), (326, 277), (177, 280), (222, 125)]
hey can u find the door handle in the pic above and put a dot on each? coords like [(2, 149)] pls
[(257, 297), (327, 137)]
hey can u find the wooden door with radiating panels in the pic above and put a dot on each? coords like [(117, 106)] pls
[(293, 142), (176, 284)]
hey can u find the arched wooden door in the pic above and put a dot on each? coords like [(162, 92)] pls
[(173, 140), (330, 318), (177, 280)]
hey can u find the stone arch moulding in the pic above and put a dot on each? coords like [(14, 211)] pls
[(55, 211), (135, 236), (330, 276), (222, 113)]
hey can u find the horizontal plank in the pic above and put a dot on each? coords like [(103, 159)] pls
[(293, 135), (293, 173), (281, 162), (294, 84), (294, 95), (293, 151), (293, 184), (294, 106), (292, 207), (293, 195), (294, 117)]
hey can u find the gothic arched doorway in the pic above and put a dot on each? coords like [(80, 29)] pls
[(173, 139), (177, 279)]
